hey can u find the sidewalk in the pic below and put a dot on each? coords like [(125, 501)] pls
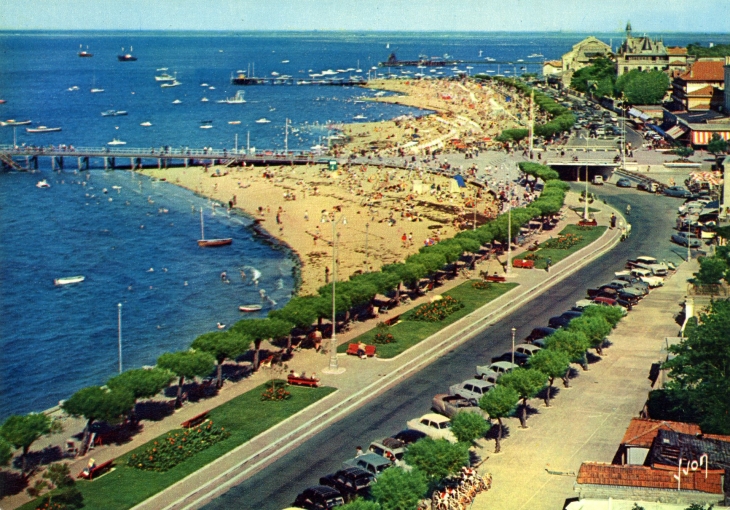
[(587, 421), (361, 381)]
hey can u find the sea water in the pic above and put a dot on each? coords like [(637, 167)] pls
[(55, 340)]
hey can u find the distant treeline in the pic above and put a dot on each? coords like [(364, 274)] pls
[(719, 50)]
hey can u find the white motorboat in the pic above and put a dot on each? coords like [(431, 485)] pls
[(250, 308), (68, 280), (42, 129), (234, 122), (263, 120), (116, 141), (12, 122), (173, 83), (146, 123), (237, 99), (164, 77), (206, 124), (42, 184), (113, 113), (204, 100), (96, 91), (359, 117), (177, 101)]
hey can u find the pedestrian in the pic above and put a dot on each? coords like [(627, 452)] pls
[(358, 451), (613, 221), (326, 274), (548, 263), (306, 215), (404, 239)]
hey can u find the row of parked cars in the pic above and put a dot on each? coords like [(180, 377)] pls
[(696, 221), (359, 473)]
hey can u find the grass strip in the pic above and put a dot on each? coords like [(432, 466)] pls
[(409, 332), (589, 234), (244, 417)]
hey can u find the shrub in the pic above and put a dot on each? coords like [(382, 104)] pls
[(177, 446), (438, 310), (277, 392), (563, 242), (481, 285)]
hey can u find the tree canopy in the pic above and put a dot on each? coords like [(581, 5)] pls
[(499, 403), (186, 365), (22, 431), (597, 78), (551, 363), (222, 345), (643, 87), (97, 403), (573, 343), (468, 426), (398, 489), (700, 370), (527, 382), (717, 145), (595, 328), (141, 382), (6, 452), (437, 458)]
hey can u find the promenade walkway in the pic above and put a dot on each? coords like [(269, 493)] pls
[(361, 381), (586, 422)]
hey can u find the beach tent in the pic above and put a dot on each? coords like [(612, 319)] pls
[(456, 183), (418, 187)]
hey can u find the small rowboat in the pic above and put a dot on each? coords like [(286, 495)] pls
[(249, 308), (67, 280)]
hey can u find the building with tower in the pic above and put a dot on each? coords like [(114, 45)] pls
[(643, 54)]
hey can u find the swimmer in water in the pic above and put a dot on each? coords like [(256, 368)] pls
[(243, 274)]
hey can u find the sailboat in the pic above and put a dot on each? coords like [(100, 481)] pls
[(83, 53), (94, 89), (210, 243), (126, 57)]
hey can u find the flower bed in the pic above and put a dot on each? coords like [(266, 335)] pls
[(563, 242), (276, 392), (481, 285), (176, 446), (438, 310)]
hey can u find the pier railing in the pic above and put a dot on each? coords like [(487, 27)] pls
[(150, 152)]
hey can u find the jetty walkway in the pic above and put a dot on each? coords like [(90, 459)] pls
[(27, 158)]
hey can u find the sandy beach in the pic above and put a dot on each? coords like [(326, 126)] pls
[(382, 214)]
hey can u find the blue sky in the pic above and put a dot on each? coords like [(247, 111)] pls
[(651, 16)]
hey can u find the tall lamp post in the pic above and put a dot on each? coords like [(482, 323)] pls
[(509, 237), (513, 345), (119, 334), (333, 366), (585, 214)]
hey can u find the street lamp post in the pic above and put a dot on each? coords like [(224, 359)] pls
[(509, 237), (513, 345), (367, 228), (334, 366), (474, 222), (119, 334), (585, 214)]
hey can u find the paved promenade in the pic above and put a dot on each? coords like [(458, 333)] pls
[(587, 421)]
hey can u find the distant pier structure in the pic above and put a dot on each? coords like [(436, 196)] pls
[(84, 158)]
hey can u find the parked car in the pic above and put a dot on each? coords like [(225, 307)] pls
[(433, 425), (408, 436), (471, 388), (390, 448), (319, 497), (639, 289), (598, 180), (640, 276), (623, 182), (650, 263), (563, 320), (490, 373), (538, 334), (521, 355), (370, 462), (686, 238), (449, 405), (600, 301), (651, 187), (677, 191), (349, 482)]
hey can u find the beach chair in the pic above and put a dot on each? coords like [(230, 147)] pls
[(71, 449)]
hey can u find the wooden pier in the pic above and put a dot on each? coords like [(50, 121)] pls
[(27, 158)]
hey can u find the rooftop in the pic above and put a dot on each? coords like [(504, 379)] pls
[(669, 447), (659, 477), (676, 50), (705, 71), (641, 432)]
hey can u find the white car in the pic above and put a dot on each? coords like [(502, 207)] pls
[(498, 367), (472, 388), (434, 426), (647, 277)]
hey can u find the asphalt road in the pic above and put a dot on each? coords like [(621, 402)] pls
[(275, 487)]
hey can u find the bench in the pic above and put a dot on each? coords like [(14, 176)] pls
[(195, 420), (369, 350), (392, 321), (96, 470), (495, 279), (523, 263), (587, 223), (302, 381)]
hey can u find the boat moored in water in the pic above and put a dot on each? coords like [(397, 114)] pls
[(42, 184), (237, 99), (126, 57), (263, 120), (116, 141), (12, 122), (68, 280), (210, 243), (42, 129), (250, 308), (113, 113)]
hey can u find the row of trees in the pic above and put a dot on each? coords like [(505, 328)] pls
[(638, 87), (434, 460), (561, 119)]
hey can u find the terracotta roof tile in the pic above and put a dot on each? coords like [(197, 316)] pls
[(641, 432), (595, 473), (676, 50), (705, 71), (703, 92), (719, 437), (555, 63)]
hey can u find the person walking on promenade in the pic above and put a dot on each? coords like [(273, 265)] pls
[(548, 263), (613, 221), (628, 210)]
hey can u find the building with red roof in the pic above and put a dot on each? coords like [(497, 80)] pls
[(701, 87)]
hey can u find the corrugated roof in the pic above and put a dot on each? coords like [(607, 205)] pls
[(641, 432), (669, 447), (705, 71), (595, 473)]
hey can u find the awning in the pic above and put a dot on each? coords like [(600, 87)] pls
[(638, 113), (658, 129), (460, 181), (704, 137), (676, 132)]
